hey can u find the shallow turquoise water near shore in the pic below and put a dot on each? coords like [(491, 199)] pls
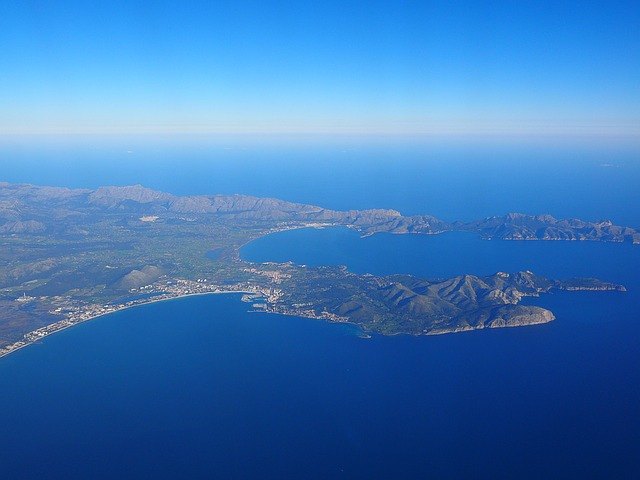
[(199, 388)]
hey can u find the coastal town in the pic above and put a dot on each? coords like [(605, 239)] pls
[(73, 313), (72, 255), (263, 297)]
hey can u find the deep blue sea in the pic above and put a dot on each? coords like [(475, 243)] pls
[(199, 388)]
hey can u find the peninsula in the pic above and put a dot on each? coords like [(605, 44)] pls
[(69, 255)]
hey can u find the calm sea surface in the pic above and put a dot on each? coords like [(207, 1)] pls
[(199, 388)]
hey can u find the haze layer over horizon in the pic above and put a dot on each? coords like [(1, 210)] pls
[(415, 69)]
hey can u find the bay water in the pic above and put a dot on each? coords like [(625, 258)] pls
[(200, 388)]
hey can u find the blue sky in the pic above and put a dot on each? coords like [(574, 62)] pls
[(419, 68)]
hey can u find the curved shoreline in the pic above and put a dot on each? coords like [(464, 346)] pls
[(27, 343)]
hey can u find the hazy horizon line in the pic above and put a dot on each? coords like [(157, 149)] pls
[(434, 129)]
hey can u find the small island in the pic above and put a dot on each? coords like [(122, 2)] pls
[(69, 255)]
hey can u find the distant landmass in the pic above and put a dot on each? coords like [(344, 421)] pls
[(69, 255)]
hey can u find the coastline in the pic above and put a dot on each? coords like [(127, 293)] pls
[(127, 307), (64, 323), (77, 316), (363, 333)]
